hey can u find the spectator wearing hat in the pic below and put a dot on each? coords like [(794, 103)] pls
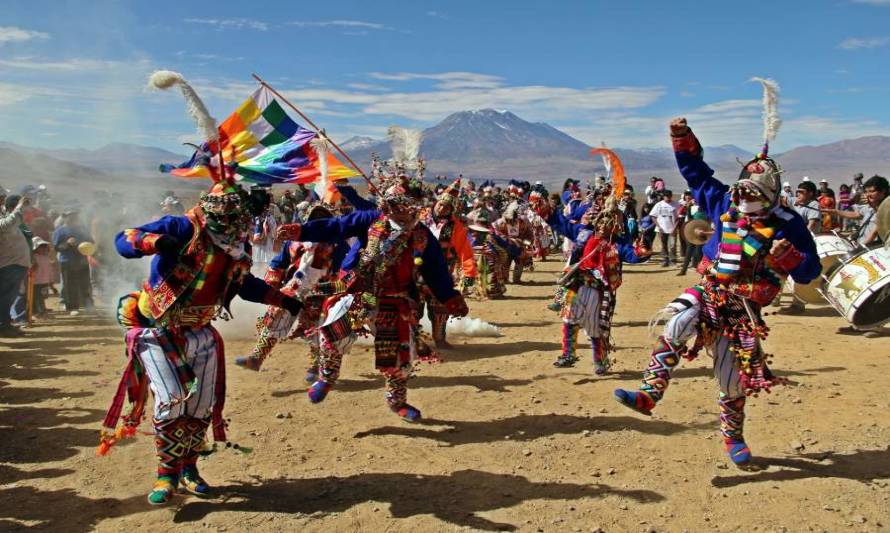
[(653, 190), (76, 286), (857, 191), (171, 206), (15, 258), (787, 198)]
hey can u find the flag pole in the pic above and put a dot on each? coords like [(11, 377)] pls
[(316, 128)]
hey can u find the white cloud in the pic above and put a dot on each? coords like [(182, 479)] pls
[(65, 65), (367, 87), (355, 24), (856, 43), (232, 24), (873, 2), (12, 94), (12, 34)]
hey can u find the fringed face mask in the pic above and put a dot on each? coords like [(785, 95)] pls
[(225, 213)]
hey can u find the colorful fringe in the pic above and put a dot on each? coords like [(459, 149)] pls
[(392, 339), (600, 349), (569, 340), (724, 313)]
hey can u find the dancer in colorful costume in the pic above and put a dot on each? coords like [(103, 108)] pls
[(515, 229), (591, 283), (381, 292), (201, 262), (492, 258), (457, 248), (296, 270), (540, 211), (756, 245)]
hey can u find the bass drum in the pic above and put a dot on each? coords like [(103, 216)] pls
[(859, 288), (831, 248)]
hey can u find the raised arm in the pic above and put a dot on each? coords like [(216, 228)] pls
[(352, 196), (707, 191)]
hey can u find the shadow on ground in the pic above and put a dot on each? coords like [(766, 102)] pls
[(456, 498), (482, 383), (861, 465), (527, 428)]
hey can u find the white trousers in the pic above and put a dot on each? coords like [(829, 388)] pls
[(200, 353), (585, 311), (681, 327)]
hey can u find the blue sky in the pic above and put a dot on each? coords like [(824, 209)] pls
[(73, 73)]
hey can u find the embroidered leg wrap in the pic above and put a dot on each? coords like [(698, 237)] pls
[(171, 445), (732, 425), (265, 342), (397, 395), (569, 344), (600, 350), (396, 389), (313, 361), (330, 358), (190, 479), (665, 357)]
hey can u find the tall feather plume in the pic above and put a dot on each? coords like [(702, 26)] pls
[(405, 144), (322, 147), (166, 79), (771, 120)]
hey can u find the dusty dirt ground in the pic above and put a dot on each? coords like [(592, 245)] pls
[(507, 442)]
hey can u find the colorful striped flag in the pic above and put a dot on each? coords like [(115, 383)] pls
[(266, 145)]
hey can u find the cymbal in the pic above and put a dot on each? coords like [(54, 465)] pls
[(690, 231), (477, 227), (884, 220)]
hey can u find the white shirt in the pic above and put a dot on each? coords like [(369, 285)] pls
[(665, 215), (810, 212)]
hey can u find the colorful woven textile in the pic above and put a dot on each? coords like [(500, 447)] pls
[(266, 144)]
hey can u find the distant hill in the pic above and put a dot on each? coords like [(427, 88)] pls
[(499, 144), (124, 168), (478, 144)]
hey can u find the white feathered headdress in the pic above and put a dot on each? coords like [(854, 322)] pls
[(771, 120), (166, 79)]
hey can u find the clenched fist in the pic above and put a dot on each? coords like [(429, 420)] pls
[(679, 127)]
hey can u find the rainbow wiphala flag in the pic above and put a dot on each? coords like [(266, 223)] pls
[(267, 146)]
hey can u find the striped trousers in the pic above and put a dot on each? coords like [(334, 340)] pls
[(200, 352)]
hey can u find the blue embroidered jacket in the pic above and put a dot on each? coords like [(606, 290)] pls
[(356, 224), (714, 198), (172, 273)]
